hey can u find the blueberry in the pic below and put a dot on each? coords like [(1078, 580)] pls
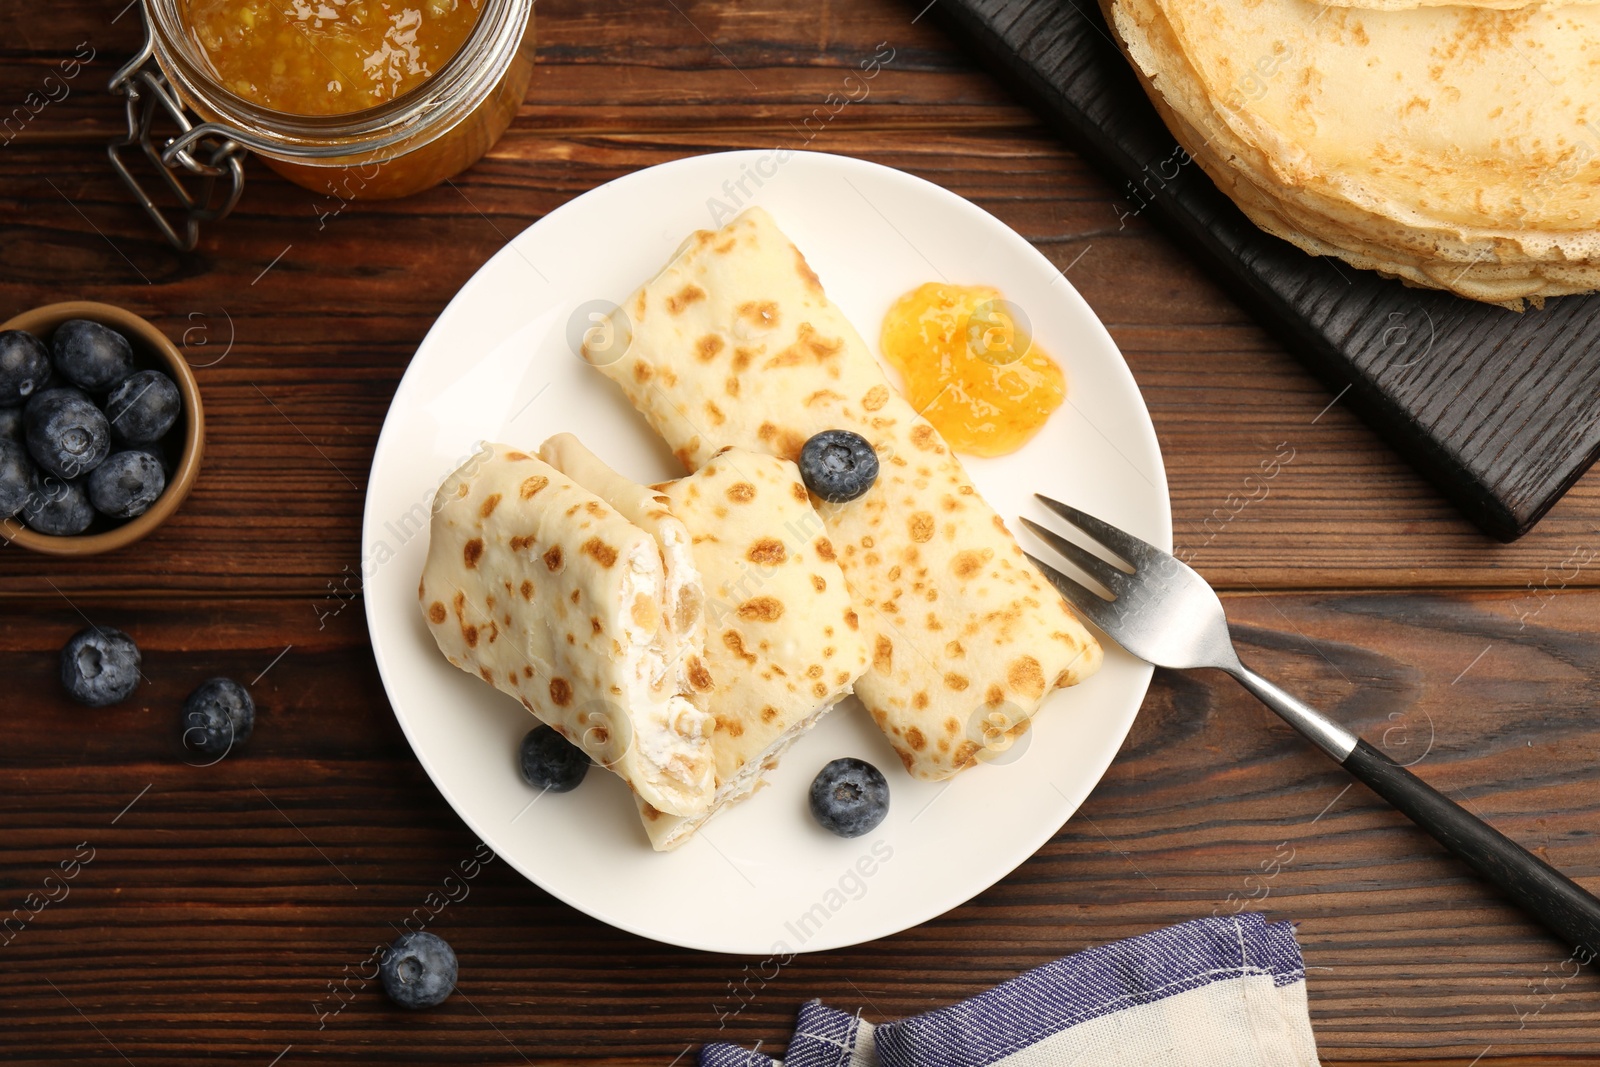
[(24, 366), (16, 478), (838, 465), (419, 970), (849, 797), (218, 716), (11, 424), (57, 506), (67, 434), (100, 666), (91, 356), (550, 761), (125, 485), (143, 408)]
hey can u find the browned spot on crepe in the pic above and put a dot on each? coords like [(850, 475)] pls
[(876, 397), (915, 739), (968, 563), (768, 713), (436, 613), (470, 635), (602, 553), (768, 550), (715, 414), (735, 644), (642, 372), (919, 700), (762, 313), (552, 558), (1026, 676), (560, 692), (527, 589), (923, 436), (921, 526), (995, 696), (532, 485), (956, 681), (699, 676), (520, 544), (732, 727), (684, 297), (489, 504), (761, 609), (965, 753), (807, 275), (741, 492), (595, 625), (516, 456), (819, 583), (824, 548), (742, 358), (731, 387), (799, 492), (708, 346), (882, 653), (472, 551), (851, 619)]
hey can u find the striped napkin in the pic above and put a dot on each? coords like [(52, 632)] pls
[(1219, 992)]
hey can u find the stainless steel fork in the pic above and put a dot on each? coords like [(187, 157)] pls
[(1165, 613)]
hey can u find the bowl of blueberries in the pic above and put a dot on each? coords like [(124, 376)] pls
[(101, 430)]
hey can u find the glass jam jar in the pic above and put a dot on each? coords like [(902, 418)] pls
[(412, 142)]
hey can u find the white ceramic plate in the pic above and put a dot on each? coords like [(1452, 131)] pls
[(761, 878)]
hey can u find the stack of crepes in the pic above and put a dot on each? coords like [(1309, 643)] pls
[(1447, 144)]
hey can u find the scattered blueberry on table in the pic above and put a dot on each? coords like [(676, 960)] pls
[(849, 797), (419, 970), (90, 427), (218, 716), (550, 761), (838, 465), (91, 356), (124, 486), (100, 666)]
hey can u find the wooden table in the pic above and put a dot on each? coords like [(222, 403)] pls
[(227, 912)]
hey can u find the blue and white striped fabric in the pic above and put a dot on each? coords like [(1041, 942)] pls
[(1219, 992)]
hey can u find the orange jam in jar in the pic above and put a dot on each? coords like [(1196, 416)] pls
[(354, 99), (327, 57), (968, 363)]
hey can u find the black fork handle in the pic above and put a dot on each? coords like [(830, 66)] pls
[(1562, 905)]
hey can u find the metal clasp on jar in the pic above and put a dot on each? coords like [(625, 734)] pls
[(202, 167)]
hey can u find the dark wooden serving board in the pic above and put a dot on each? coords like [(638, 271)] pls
[(1498, 409)]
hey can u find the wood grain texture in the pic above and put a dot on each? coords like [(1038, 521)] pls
[(1500, 410), (226, 902), (220, 905), (327, 342)]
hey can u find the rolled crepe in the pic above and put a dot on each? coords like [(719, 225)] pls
[(783, 643), (683, 632), (544, 591), (735, 343)]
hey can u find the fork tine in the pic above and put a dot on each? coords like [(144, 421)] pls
[(1089, 603), (1091, 564), (1129, 547)]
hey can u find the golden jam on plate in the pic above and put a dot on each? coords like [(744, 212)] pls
[(328, 57), (968, 363)]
